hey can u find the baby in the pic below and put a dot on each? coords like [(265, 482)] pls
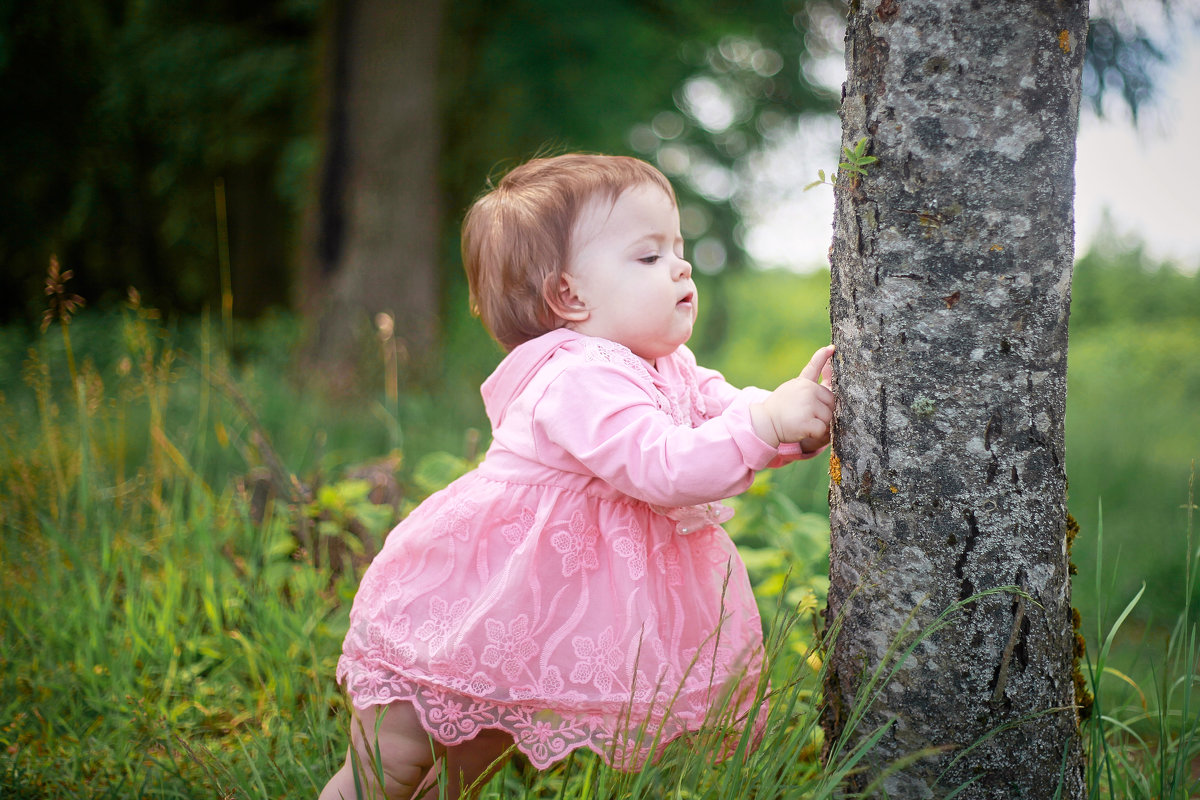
[(576, 589)]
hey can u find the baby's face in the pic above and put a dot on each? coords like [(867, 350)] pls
[(628, 273)]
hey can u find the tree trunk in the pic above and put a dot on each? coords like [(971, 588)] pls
[(258, 238), (372, 242), (950, 294)]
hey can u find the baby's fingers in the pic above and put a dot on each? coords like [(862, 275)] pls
[(813, 435), (817, 364), (823, 398), (824, 407)]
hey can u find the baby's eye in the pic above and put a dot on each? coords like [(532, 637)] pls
[(652, 259)]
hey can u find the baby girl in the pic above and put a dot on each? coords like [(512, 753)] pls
[(575, 590)]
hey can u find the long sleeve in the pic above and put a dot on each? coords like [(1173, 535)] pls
[(601, 418), (719, 395)]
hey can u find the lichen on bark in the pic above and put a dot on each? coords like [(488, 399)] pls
[(949, 304)]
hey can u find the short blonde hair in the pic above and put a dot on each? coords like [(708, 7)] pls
[(516, 238)]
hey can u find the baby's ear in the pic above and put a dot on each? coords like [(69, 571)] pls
[(563, 298)]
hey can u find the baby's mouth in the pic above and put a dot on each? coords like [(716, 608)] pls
[(688, 298)]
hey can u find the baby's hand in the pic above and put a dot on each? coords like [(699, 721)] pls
[(801, 409)]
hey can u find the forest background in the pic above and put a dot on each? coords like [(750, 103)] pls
[(178, 430)]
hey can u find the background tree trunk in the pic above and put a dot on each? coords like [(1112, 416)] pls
[(372, 242), (258, 238), (950, 296)]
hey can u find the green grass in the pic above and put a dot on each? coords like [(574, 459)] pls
[(163, 633), (1143, 738)]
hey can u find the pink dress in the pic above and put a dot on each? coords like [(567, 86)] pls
[(576, 589)]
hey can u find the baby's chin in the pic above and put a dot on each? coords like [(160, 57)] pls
[(678, 344)]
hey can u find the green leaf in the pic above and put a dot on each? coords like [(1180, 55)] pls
[(436, 470), (282, 544), (376, 518), (762, 559), (329, 497), (353, 491)]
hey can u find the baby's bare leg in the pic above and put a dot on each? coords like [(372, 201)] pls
[(471, 764), (404, 750)]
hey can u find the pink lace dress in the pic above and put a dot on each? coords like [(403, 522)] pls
[(576, 589)]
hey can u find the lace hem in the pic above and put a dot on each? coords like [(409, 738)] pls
[(547, 735)]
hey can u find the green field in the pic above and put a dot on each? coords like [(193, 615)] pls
[(182, 524)]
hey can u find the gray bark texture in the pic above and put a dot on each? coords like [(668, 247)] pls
[(950, 296), (372, 241)]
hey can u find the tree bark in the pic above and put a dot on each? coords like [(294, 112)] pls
[(372, 241), (258, 238), (950, 296)]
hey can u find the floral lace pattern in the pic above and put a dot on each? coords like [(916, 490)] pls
[(577, 544), (589, 623), (563, 617), (632, 548), (547, 718)]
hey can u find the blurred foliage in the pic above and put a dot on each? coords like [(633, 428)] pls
[(158, 138), (1130, 45), (786, 550), (128, 114), (776, 320), (1120, 59), (211, 521), (1133, 422), (1116, 280)]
